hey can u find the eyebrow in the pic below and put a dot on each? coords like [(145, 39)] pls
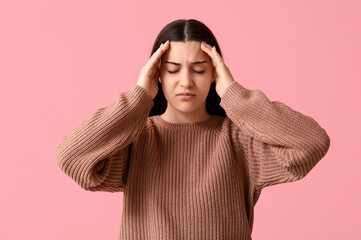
[(178, 64)]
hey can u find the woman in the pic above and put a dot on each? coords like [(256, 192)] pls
[(190, 148)]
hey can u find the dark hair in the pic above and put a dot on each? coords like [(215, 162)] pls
[(182, 30)]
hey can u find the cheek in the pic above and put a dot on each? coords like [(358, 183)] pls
[(206, 78)]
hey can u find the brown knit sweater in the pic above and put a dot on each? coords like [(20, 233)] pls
[(191, 181)]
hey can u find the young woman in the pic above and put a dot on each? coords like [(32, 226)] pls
[(190, 147)]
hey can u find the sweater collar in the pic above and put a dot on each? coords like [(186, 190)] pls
[(198, 125)]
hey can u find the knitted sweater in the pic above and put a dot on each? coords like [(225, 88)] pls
[(191, 180)]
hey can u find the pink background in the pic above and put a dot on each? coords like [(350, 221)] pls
[(62, 60)]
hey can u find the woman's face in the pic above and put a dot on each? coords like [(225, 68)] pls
[(186, 74)]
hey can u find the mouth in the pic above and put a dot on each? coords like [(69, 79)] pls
[(185, 96)]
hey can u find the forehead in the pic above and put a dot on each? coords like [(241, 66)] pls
[(185, 52)]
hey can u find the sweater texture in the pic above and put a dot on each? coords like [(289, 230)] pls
[(191, 180)]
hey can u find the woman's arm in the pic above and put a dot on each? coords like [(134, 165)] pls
[(95, 154), (281, 144)]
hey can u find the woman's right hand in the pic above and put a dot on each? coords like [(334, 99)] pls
[(149, 74)]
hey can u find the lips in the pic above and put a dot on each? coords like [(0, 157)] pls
[(186, 94)]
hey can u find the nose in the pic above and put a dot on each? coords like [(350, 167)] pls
[(186, 79)]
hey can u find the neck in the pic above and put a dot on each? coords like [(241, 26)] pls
[(172, 116)]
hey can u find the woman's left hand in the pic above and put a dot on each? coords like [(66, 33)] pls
[(222, 74)]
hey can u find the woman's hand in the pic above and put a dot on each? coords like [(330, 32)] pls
[(222, 74), (149, 74)]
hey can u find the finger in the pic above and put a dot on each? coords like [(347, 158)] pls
[(206, 48), (154, 59), (212, 52)]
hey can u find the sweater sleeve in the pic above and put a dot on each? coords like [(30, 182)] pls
[(279, 143), (95, 153)]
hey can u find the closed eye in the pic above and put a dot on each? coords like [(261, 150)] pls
[(200, 72)]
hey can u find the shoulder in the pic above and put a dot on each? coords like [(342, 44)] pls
[(234, 133), (229, 128)]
